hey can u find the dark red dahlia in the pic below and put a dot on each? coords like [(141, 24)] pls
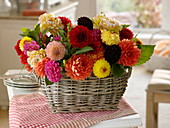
[(65, 22), (17, 48), (80, 36), (126, 34), (23, 58), (112, 54), (85, 21)]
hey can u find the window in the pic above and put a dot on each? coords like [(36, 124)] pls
[(139, 13)]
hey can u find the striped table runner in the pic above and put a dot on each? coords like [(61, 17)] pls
[(32, 111)]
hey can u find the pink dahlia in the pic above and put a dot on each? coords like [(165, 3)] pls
[(53, 71), (79, 67), (126, 34), (129, 53), (57, 38), (55, 50), (80, 36), (30, 46)]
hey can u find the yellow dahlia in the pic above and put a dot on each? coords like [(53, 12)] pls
[(110, 38), (138, 41), (23, 41), (101, 68), (35, 57)]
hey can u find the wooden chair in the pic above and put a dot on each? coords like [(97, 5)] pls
[(158, 91)]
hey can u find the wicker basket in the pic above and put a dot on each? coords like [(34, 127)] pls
[(92, 94)]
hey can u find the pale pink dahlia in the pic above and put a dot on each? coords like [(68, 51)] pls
[(53, 71), (129, 53), (55, 50)]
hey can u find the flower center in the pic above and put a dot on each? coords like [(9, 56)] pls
[(104, 69), (81, 37)]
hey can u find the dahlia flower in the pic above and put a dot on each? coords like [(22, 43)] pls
[(53, 71), (30, 46), (85, 21), (23, 41), (101, 68), (126, 34), (23, 58), (17, 48), (50, 21), (35, 57), (96, 35), (65, 22), (109, 38), (79, 67), (112, 54), (94, 56), (57, 38), (138, 41), (80, 36), (55, 50), (129, 53), (103, 22), (40, 67)]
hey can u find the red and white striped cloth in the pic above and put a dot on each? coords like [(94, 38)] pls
[(32, 111)]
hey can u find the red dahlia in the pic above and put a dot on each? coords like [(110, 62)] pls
[(129, 53), (126, 34), (17, 48), (65, 22), (23, 58), (80, 36)]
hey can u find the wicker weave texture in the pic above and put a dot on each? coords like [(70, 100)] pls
[(92, 94)]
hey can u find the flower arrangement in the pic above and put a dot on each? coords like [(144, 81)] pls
[(98, 46)]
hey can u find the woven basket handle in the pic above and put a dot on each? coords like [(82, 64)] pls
[(155, 33)]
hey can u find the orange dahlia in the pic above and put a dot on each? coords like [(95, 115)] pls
[(129, 53), (39, 69), (79, 67), (96, 55)]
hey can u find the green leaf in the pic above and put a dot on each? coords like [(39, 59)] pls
[(73, 50), (147, 51), (83, 50), (48, 82), (22, 35), (25, 29), (34, 36), (125, 25), (37, 29), (45, 31), (118, 70)]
